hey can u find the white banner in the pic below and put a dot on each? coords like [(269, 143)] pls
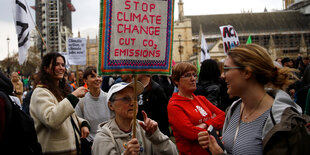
[(24, 25), (204, 49), (230, 37), (65, 54), (76, 49)]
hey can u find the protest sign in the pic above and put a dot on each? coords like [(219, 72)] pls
[(136, 36), (230, 37), (76, 51), (65, 54)]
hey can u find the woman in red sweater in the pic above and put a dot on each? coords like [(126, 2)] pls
[(189, 114)]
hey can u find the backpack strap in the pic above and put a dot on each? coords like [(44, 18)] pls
[(271, 116), (75, 128)]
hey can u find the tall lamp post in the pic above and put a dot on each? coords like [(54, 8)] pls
[(180, 47), (8, 67)]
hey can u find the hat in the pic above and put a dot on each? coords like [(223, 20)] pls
[(122, 85)]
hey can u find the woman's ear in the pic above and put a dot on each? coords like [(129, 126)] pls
[(248, 72)]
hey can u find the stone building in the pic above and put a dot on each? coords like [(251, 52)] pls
[(92, 52), (283, 33)]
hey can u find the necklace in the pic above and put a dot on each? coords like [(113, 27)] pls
[(247, 116)]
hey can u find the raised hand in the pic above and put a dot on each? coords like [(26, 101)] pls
[(80, 92), (150, 126)]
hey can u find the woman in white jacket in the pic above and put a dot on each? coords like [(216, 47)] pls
[(52, 107)]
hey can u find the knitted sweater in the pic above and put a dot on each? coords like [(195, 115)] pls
[(95, 110)]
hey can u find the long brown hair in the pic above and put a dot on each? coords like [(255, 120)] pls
[(45, 78)]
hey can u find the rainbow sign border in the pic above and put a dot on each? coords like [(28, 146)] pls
[(109, 67)]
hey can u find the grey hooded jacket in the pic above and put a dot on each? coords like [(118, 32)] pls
[(110, 140)]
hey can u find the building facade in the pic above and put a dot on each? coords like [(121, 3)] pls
[(92, 52), (283, 33)]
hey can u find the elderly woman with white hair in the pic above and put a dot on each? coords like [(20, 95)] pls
[(115, 135)]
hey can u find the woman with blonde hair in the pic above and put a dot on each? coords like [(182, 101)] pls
[(251, 74)]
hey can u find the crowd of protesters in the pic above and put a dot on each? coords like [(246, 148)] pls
[(237, 97)]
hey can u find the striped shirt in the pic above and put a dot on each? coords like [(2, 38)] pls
[(249, 138)]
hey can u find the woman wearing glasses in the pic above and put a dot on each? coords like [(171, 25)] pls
[(189, 114), (114, 137), (248, 71)]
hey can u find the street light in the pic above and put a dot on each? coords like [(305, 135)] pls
[(180, 47), (8, 67)]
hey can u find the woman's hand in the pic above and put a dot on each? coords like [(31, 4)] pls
[(203, 139), (84, 132), (213, 146), (80, 92), (132, 147), (150, 126), (208, 141)]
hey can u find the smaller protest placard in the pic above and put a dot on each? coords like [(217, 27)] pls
[(76, 49), (65, 54), (230, 37)]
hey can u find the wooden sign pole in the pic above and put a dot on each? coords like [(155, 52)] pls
[(134, 107)]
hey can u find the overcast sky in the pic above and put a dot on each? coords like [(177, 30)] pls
[(86, 17)]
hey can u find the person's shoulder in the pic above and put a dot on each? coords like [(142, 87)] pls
[(154, 83), (43, 92), (105, 94), (176, 101), (103, 134), (107, 127), (40, 89)]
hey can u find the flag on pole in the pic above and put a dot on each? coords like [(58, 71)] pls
[(198, 66), (249, 40), (204, 49), (24, 25)]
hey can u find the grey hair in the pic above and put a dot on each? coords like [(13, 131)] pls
[(112, 98)]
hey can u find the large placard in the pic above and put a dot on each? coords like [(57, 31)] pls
[(136, 36)]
